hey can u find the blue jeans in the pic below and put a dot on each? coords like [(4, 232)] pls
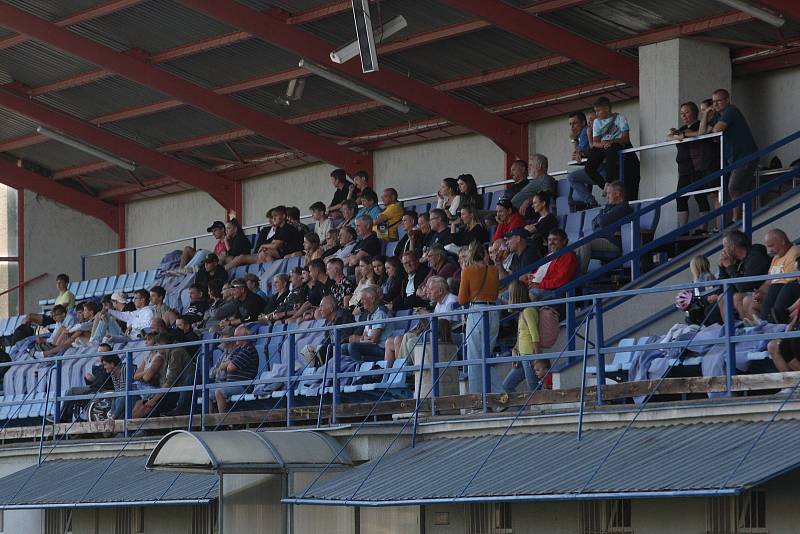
[(581, 184), (517, 374), (475, 339), (363, 352)]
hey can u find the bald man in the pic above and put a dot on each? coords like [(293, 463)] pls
[(242, 366), (771, 301)]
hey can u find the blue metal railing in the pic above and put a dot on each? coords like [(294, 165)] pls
[(206, 388)]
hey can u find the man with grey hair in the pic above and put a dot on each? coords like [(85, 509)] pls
[(439, 293), (615, 209), (539, 180), (772, 299), (370, 345), (368, 244), (241, 365)]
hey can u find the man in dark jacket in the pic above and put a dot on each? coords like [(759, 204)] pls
[(740, 258), (416, 273), (615, 209)]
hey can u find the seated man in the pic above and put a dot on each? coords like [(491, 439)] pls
[(76, 335), (739, 259), (318, 355), (521, 252), (63, 321), (348, 238), (541, 182), (65, 299), (339, 181), (241, 365), (293, 219), (412, 240), (507, 218), (172, 370), (556, 273), (157, 295), (210, 270), (106, 326), (771, 301), (254, 285), (416, 274), (388, 220), (342, 288), (274, 242), (137, 320), (370, 345), (249, 305), (440, 263), (368, 244), (321, 221), (194, 258), (440, 231), (519, 178), (96, 380), (610, 134), (615, 209), (580, 182)]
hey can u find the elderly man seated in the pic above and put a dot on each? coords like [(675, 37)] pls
[(615, 209), (771, 301), (370, 345), (239, 366)]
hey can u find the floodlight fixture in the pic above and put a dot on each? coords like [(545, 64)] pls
[(381, 33), (755, 12), (83, 147), (364, 36)]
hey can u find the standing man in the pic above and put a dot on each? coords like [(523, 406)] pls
[(339, 181), (580, 182), (738, 142)]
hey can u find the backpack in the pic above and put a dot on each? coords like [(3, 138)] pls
[(549, 327)]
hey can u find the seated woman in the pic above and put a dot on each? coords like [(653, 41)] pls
[(468, 190), (281, 284), (312, 248), (297, 297), (393, 285), (237, 243), (468, 230), (449, 198), (366, 277), (331, 243), (527, 340), (542, 221)]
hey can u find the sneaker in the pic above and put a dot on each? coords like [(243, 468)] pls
[(39, 355)]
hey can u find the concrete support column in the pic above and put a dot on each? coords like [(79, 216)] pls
[(670, 73)]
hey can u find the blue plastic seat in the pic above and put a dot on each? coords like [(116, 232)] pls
[(573, 225), (80, 294), (619, 360), (588, 219), (91, 287), (391, 246)]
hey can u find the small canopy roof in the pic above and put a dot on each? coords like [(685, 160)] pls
[(245, 451)]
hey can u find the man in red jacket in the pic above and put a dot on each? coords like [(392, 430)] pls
[(556, 273), (507, 218)]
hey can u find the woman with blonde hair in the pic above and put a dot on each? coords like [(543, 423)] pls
[(527, 339), (479, 288)]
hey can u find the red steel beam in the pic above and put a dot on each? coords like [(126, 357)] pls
[(76, 18), (219, 189), (788, 8), (537, 30), (274, 30), (19, 178), (139, 71)]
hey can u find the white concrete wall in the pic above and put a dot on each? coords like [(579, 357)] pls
[(168, 217), (296, 187), (55, 238)]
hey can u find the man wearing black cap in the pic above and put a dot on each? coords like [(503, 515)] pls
[(250, 305), (210, 270), (194, 258), (522, 253)]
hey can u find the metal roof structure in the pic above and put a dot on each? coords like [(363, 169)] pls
[(245, 451), (86, 483), (190, 90), (658, 461)]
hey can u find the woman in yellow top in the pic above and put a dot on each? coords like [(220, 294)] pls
[(480, 286), (527, 339)]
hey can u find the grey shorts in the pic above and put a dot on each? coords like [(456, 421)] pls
[(230, 391), (742, 179)]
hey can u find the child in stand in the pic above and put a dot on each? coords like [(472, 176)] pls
[(541, 368)]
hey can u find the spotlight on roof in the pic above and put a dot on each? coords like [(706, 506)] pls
[(294, 92), (356, 88), (755, 12), (364, 36), (381, 33), (55, 136)]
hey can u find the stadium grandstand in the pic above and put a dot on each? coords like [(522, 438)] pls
[(407, 266)]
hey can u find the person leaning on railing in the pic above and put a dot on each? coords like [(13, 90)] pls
[(692, 159)]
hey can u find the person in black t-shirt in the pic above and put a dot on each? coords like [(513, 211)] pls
[(210, 270), (692, 160), (249, 305), (238, 243), (274, 242), (198, 304), (541, 222), (440, 232), (368, 244), (339, 181)]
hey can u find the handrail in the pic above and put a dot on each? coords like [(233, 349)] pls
[(730, 339), (22, 284), (636, 215), (642, 148)]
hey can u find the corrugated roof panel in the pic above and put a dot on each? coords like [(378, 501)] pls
[(101, 97), (169, 126), (152, 26), (646, 461), (232, 63), (50, 10), (100, 180), (34, 63), (318, 94), (53, 155), (421, 15), (290, 6), (12, 125), (364, 122), (464, 55), (552, 79), (757, 33), (101, 481)]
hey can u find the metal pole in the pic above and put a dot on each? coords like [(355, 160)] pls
[(583, 372), (570, 321), (324, 380), (485, 371), (434, 361), (289, 385), (636, 243), (198, 357), (729, 332), (57, 395), (747, 217), (337, 358), (207, 357), (83, 267), (44, 416), (621, 156), (599, 344), (419, 393), (134, 260), (128, 397)]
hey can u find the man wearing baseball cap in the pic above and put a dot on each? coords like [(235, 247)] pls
[(210, 270), (249, 307), (507, 218), (522, 252), (192, 259)]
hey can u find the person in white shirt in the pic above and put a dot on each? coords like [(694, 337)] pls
[(137, 320)]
